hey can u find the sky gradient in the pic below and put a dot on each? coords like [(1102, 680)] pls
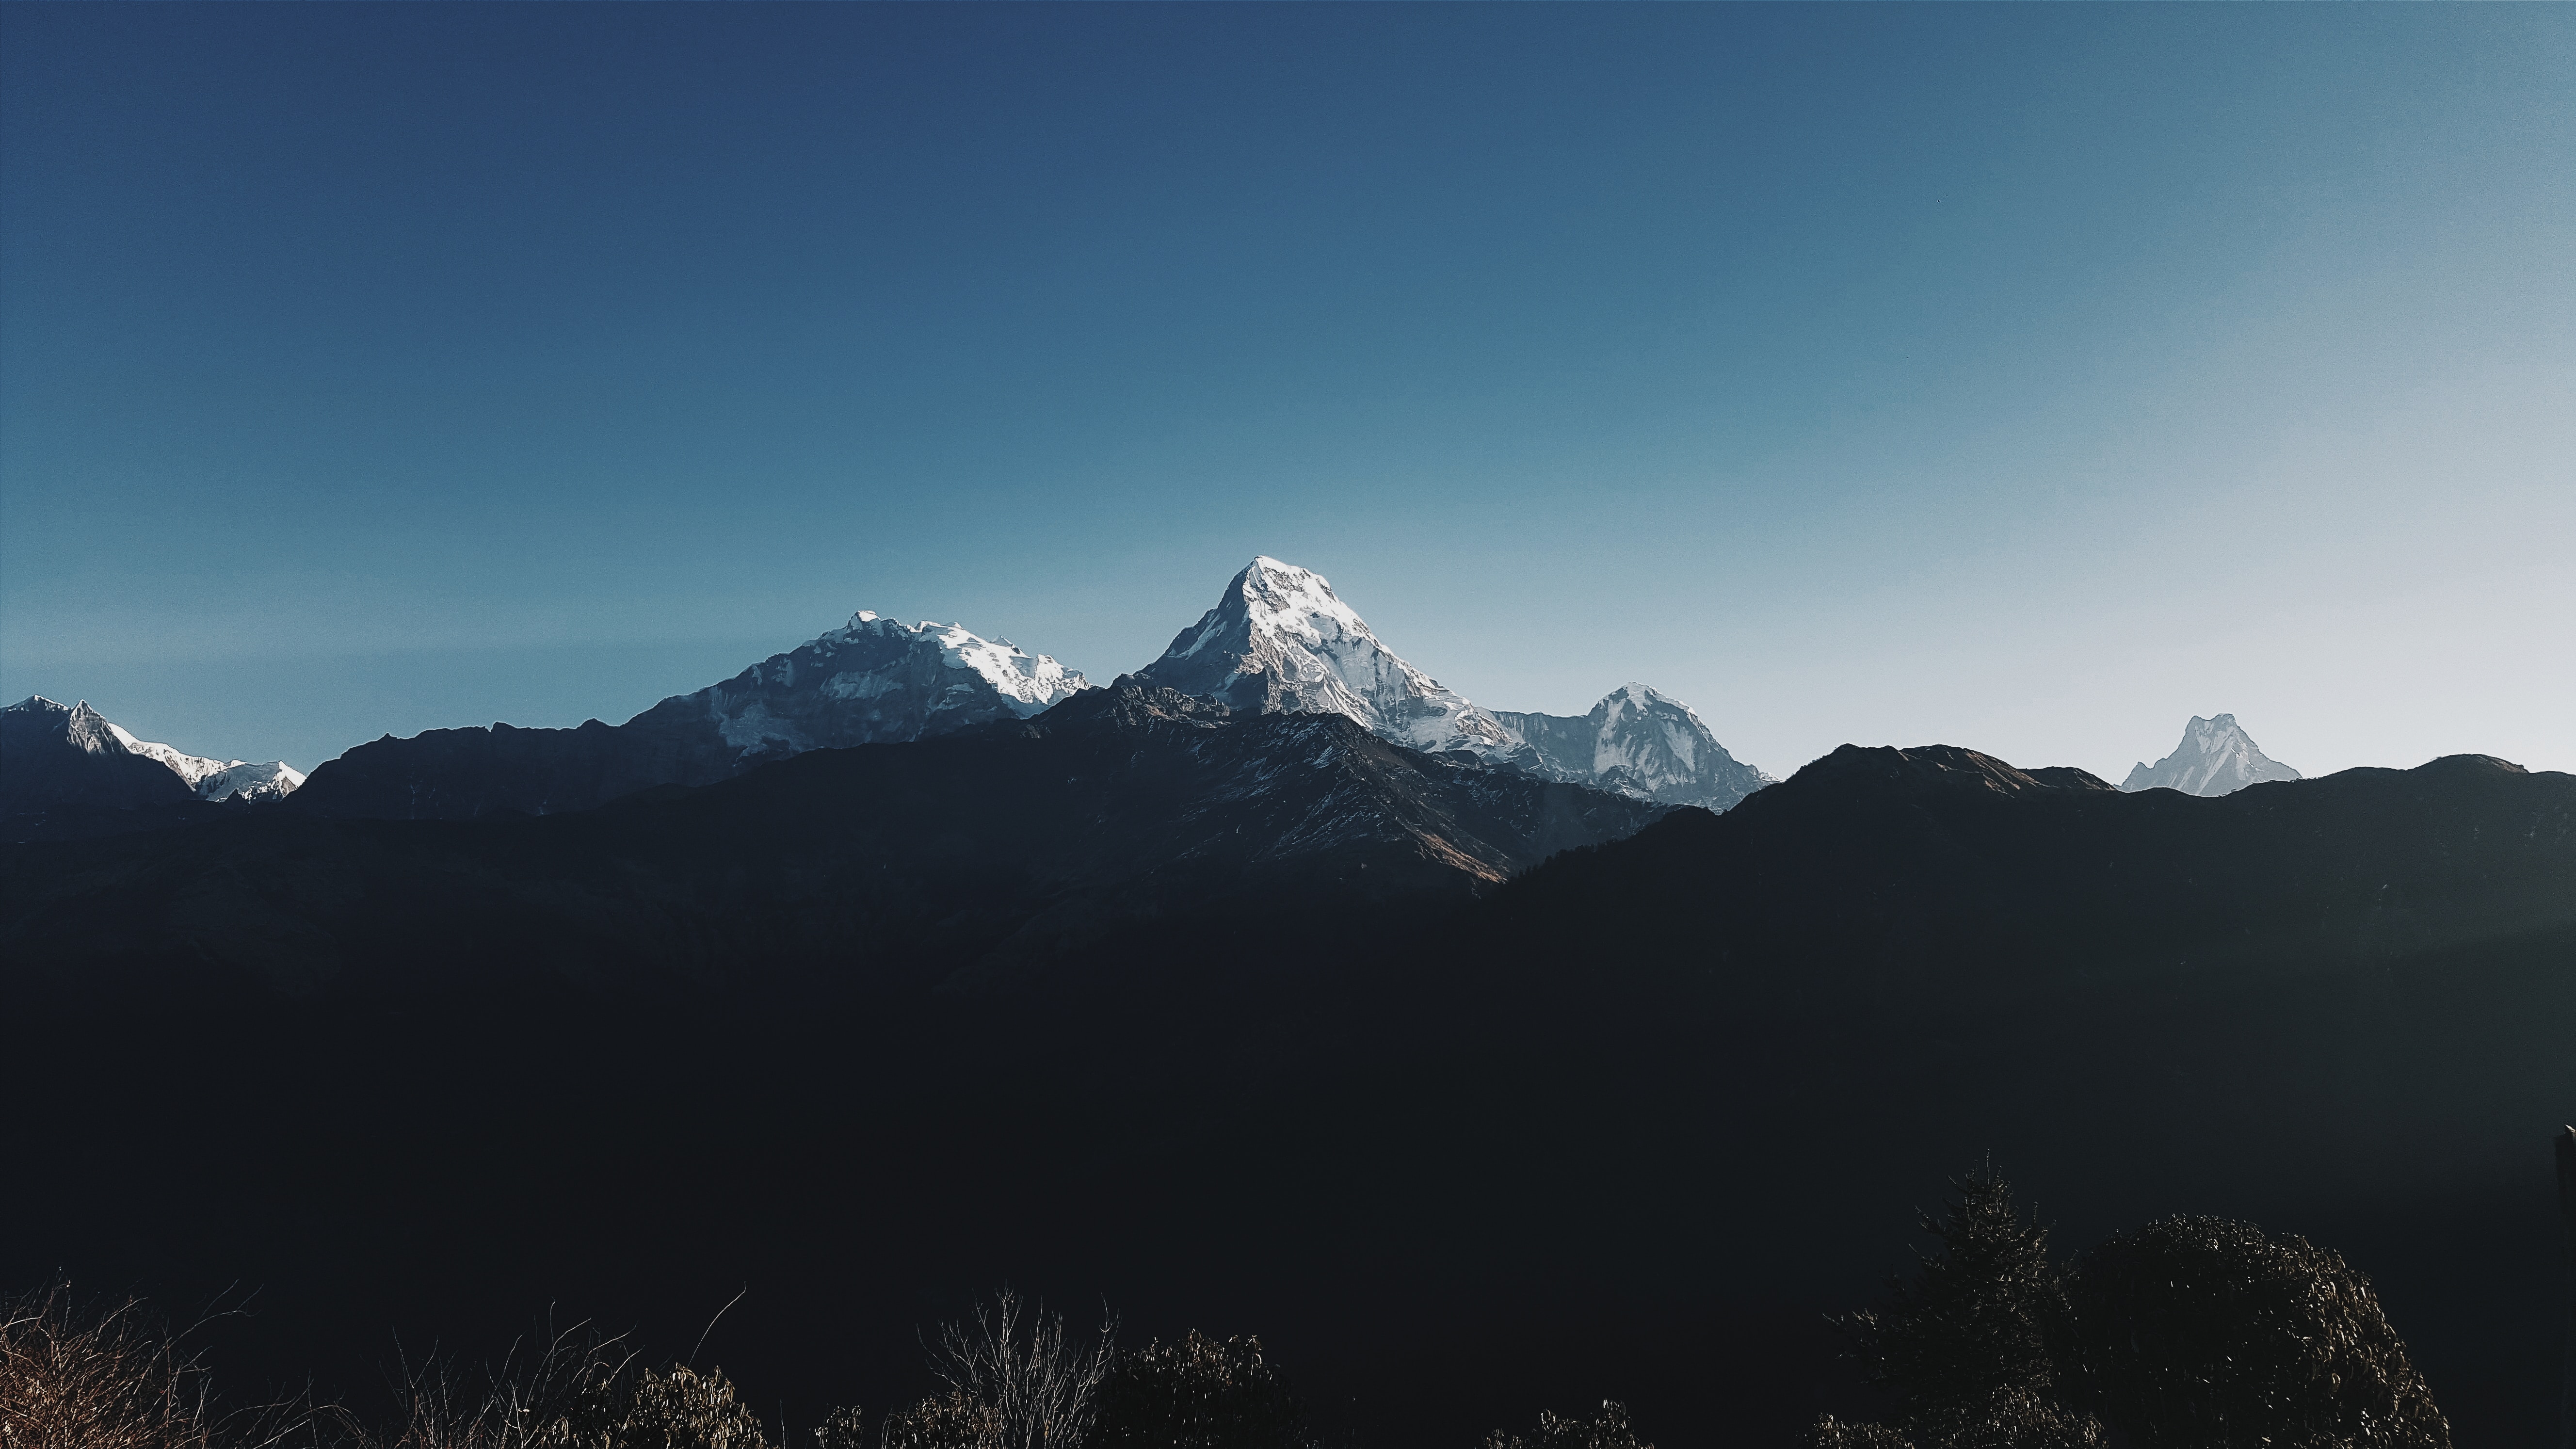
[(2025, 378)]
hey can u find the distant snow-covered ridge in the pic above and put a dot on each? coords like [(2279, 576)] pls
[(1638, 741), (874, 680), (219, 779), (1281, 641), (82, 728)]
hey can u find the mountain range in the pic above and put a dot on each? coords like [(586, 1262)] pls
[(1448, 1077), (1279, 641), (1442, 1041)]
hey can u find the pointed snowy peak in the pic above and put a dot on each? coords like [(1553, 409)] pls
[(2216, 757), (1637, 741), (89, 732), (77, 725), (1280, 641)]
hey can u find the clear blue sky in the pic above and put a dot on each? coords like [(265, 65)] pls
[(2027, 378)]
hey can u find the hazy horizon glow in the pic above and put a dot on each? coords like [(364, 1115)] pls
[(2029, 379)]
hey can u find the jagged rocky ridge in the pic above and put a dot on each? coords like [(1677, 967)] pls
[(2216, 757), (978, 854), (1280, 640), (63, 764), (872, 681)]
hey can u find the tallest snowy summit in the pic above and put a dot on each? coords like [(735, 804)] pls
[(1280, 641)]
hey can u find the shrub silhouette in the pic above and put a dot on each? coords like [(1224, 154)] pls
[(1605, 1430), (1833, 1433), (1962, 1344), (948, 1421), (2190, 1333), (683, 1410), (579, 1392), (569, 1395), (1014, 1382), (2207, 1333), (841, 1429), (1198, 1393), (111, 1380), (2004, 1419)]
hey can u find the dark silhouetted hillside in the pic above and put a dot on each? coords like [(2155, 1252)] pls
[(1626, 1129)]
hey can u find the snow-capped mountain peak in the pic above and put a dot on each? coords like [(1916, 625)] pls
[(2216, 757), (873, 679), (1029, 682), (86, 730), (1280, 641), (1638, 741)]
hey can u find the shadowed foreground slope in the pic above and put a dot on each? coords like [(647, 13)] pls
[(1625, 1129)]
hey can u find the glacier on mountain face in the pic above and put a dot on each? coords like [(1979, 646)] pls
[(2216, 757), (1281, 641)]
